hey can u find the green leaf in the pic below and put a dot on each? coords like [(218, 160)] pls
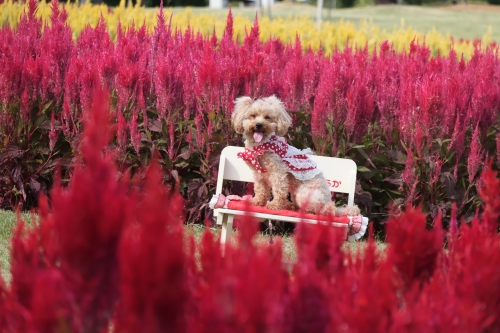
[(396, 156), (381, 158), (217, 138), (46, 106), (160, 142), (211, 115), (168, 162), (187, 122), (40, 120), (363, 169), (182, 165)]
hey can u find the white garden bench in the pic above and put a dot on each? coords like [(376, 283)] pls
[(339, 172)]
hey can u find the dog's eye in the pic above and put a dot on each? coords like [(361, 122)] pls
[(267, 117), (253, 116)]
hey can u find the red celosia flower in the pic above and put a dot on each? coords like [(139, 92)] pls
[(234, 294), (50, 302), (135, 134), (52, 133), (408, 175), (475, 155), (473, 263), (368, 285), (56, 47), (154, 285), (88, 221), (413, 250), (490, 193), (498, 149), (436, 172)]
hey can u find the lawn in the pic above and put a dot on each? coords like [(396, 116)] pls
[(468, 21), (7, 221)]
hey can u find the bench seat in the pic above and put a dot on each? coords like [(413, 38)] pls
[(340, 174)]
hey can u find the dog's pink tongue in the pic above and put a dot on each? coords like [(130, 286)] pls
[(257, 136)]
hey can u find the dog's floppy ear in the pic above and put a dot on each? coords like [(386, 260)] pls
[(241, 105), (283, 119)]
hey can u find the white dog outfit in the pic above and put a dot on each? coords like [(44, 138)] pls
[(299, 165)]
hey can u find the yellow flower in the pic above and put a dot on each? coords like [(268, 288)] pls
[(329, 37)]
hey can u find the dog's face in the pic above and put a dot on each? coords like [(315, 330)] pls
[(258, 119)]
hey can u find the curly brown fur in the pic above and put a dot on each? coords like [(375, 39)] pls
[(267, 116)]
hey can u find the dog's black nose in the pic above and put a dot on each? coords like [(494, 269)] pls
[(258, 126)]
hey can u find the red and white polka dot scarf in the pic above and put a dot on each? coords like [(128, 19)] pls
[(301, 166)]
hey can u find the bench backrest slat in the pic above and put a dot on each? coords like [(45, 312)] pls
[(340, 173)]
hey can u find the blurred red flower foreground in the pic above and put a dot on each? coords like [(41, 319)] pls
[(104, 257)]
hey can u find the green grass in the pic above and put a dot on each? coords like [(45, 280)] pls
[(7, 222), (460, 21)]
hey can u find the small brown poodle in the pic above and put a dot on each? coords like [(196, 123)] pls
[(278, 168)]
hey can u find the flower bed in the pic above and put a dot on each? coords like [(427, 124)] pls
[(418, 127)]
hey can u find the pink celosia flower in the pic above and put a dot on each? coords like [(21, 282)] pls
[(475, 155), (52, 133)]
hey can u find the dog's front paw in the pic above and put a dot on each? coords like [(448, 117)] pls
[(258, 201), (290, 206), (276, 205)]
